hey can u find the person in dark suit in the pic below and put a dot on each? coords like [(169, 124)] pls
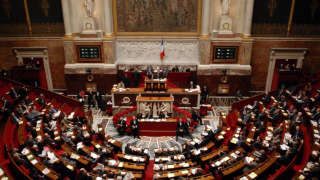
[(41, 100), (6, 105), (195, 117), (98, 97), (90, 99), (134, 125), (13, 93), (23, 92), (266, 99), (298, 134), (204, 94), (191, 85), (27, 100), (126, 80), (149, 71), (80, 97), (180, 129), (175, 69), (122, 126), (136, 77), (14, 119)]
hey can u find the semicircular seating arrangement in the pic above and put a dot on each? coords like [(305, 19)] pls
[(268, 136)]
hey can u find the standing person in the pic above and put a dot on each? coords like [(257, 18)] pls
[(136, 77), (204, 94), (126, 80), (134, 124), (90, 99), (80, 97), (98, 97), (122, 126), (180, 129)]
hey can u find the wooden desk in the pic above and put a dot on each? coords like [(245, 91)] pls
[(262, 167), (128, 165), (137, 175), (182, 98), (114, 142), (177, 165), (176, 173), (133, 158), (214, 153), (158, 127), (233, 168), (41, 167), (208, 176), (70, 152)]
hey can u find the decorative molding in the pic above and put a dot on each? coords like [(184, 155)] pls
[(96, 68), (232, 69), (42, 52), (184, 52), (283, 53), (69, 52)]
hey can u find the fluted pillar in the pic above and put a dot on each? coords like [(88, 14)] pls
[(108, 18), (66, 10), (205, 18), (248, 18)]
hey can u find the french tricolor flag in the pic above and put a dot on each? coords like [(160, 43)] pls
[(162, 50)]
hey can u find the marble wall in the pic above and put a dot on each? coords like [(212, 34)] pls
[(138, 51)]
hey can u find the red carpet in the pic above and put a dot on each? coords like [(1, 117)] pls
[(149, 171)]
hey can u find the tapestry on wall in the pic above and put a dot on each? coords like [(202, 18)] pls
[(157, 15)]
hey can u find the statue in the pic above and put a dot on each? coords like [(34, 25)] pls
[(88, 22), (225, 6), (89, 6), (225, 20)]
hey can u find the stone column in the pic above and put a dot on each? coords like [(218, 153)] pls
[(248, 18), (66, 17), (108, 18), (205, 18)]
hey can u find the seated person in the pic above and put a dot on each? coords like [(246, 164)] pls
[(14, 118), (41, 100), (27, 101), (121, 84), (23, 92), (266, 99), (33, 114), (6, 105), (191, 85), (13, 93)]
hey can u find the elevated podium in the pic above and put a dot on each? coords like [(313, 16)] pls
[(152, 106), (155, 84)]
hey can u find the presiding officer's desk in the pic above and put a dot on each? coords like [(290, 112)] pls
[(182, 97)]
